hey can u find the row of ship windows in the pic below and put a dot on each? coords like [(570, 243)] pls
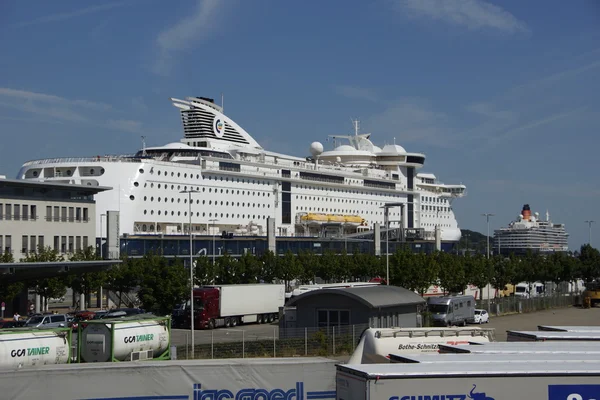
[(204, 214), (210, 190), (210, 202), (434, 199), (440, 225), (209, 177)]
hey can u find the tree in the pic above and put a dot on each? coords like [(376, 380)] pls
[(309, 264), (87, 282), (479, 271), (451, 272), (204, 271), (269, 266), (9, 291), (329, 265), (163, 285), (249, 268), (504, 271), (288, 268), (124, 278), (589, 258), (48, 287)]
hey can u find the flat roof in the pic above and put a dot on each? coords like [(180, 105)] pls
[(523, 347), (371, 296), (19, 271), (486, 358), (41, 184), (548, 335), (572, 328), (410, 371)]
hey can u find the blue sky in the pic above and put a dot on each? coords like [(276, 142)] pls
[(501, 96)]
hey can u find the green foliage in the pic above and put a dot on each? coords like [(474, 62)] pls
[(48, 287), (288, 268), (162, 284), (87, 282), (589, 268), (124, 278), (8, 291)]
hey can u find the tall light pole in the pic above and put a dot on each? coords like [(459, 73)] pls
[(590, 222), (386, 208), (214, 236), (487, 217), (189, 192), (101, 255)]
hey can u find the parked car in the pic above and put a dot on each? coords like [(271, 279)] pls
[(480, 317), (122, 312), (48, 321), (7, 324)]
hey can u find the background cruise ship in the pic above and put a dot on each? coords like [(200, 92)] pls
[(528, 232), (237, 184)]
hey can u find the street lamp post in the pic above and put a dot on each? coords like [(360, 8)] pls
[(214, 236), (590, 222), (487, 217), (189, 192), (386, 208), (101, 255)]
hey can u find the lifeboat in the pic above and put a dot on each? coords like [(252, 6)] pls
[(335, 218), (313, 218), (353, 220)]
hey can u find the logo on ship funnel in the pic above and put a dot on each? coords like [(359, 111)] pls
[(218, 127)]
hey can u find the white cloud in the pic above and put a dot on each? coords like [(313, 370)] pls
[(35, 97), (490, 111), (190, 30), (412, 120), (355, 92), (472, 14), (125, 125), (139, 104), (69, 14)]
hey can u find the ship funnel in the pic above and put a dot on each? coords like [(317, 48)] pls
[(526, 212)]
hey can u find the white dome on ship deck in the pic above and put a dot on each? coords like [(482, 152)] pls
[(376, 149), (345, 147), (393, 149)]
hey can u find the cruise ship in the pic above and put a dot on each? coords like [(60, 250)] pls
[(236, 184), (529, 233)]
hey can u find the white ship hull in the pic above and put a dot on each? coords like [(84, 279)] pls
[(238, 193)]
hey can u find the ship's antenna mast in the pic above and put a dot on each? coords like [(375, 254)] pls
[(144, 146), (222, 103)]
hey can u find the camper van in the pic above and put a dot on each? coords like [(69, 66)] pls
[(525, 290), (452, 310)]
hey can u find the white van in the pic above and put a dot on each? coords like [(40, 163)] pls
[(47, 321), (451, 310)]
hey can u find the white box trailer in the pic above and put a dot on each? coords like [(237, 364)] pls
[(524, 348), (542, 336), (551, 328), (376, 344), (489, 358), (251, 299), (464, 381)]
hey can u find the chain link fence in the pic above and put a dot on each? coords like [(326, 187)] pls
[(282, 342), (517, 304)]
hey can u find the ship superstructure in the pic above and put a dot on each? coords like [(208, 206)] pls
[(236, 184), (529, 233)]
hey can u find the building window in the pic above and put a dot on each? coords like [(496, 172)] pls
[(63, 244), (78, 243), (85, 242), (41, 242), (7, 244), (56, 243), (25, 212), (63, 214), (333, 318), (71, 244), (56, 214), (48, 213), (85, 214), (32, 244), (1, 214), (17, 212), (71, 214), (24, 240), (1, 243), (8, 211), (33, 212), (78, 214)]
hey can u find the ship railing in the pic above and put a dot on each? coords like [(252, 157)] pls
[(121, 158)]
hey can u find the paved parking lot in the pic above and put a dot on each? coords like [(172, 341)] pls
[(528, 321)]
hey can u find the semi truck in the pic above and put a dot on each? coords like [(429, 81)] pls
[(230, 305), (469, 381), (376, 345)]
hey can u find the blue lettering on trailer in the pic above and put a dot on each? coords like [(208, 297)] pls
[(573, 392), (472, 395), (296, 393)]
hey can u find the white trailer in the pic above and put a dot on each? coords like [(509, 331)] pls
[(462, 381), (376, 345), (552, 328), (552, 347), (438, 358), (541, 336), (250, 300)]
